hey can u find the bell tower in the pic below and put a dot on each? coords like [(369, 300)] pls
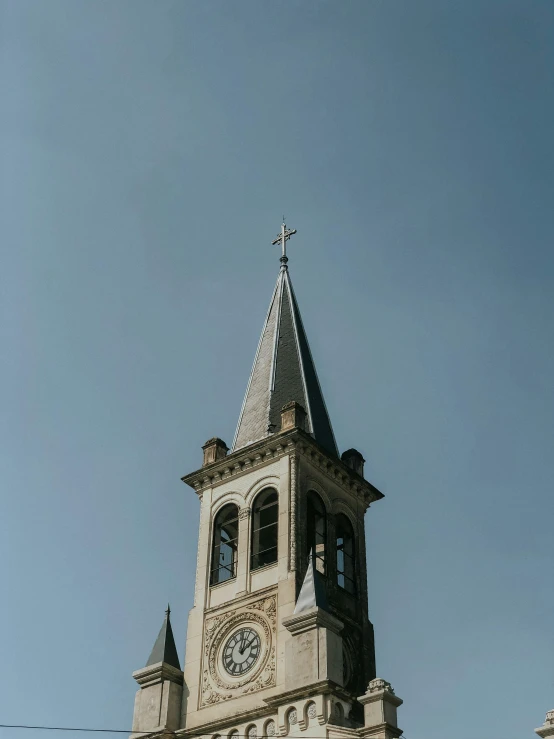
[(279, 639)]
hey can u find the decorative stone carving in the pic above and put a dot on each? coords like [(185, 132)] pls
[(209, 695), (252, 732), (549, 717), (215, 686), (244, 513), (379, 684), (312, 710), (270, 728), (293, 717), (269, 606), (292, 506)]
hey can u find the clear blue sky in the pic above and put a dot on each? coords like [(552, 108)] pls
[(148, 152)]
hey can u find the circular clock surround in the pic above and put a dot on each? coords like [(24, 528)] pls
[(241, 651), (261, 617), (252, 662)]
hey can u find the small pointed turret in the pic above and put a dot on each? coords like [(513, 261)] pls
[(158, 699), (164, 649), (314, 631), (312, 593), (283, 371)]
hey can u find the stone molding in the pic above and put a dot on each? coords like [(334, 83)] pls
[(156, 673), (261, 483), (314, 617), (380, 731), (312, 707), (266, 723), (226, 725), (380, 695), (323, 687), (274, 447)]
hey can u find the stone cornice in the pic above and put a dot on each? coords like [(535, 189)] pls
[(323, 687), (273, 447), (380, 730), (307, 620), (346, 731), (242, 601), (380, 695), (211, 727), (156, 673)]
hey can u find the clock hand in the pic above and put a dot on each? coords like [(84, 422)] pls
[(241, 648), (249, 644), (246, 644)]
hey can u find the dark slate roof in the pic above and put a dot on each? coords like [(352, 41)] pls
[(164, 649), (283, 371), (312, 593)]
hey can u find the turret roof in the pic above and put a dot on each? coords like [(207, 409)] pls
[(164, 649)]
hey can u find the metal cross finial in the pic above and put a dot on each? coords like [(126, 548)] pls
[(282, 239), (168, 610)]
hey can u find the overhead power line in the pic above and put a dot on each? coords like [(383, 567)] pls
[(126, 731)]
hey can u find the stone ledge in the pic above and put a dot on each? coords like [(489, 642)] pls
[(156, 673), (307, 620), (322, 687), (226, 722), (380, 730), (380, 695)]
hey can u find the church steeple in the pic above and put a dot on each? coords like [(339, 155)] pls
[(279, 639), (283, 371)]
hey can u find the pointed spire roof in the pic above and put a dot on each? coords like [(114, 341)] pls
[(312, 593), (283, 371), (164, 649)]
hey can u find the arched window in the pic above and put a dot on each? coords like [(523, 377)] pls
[(265, 513), (225, 544), (345, 553), (317, 531)]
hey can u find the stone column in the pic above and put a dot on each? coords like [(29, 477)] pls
[(314, 653), (243, 566), (380, 704), (158, 700), (547, 729)]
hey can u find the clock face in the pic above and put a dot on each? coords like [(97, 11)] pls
[(241, 651)]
